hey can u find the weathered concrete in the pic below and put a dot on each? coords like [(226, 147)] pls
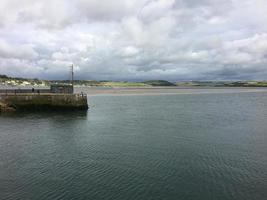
[(6, 108), (44, 101)]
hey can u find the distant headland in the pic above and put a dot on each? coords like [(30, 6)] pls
[(17, 81)]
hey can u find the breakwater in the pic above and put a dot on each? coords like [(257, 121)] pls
[(42, 101)]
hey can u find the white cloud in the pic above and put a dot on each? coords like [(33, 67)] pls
[(20, 51), (140, 39)]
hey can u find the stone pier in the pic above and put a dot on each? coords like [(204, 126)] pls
[(43, 101)]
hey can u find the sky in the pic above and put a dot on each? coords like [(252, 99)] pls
[(175, 40)]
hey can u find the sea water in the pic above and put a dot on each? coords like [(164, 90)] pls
[(186, 146)]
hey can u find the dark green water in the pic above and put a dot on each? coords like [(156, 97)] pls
[(194, 146)]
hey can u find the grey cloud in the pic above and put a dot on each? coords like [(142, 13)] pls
[(165, 39), (25, 51), (107, 9)]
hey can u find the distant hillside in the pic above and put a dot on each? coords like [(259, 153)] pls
[(17, 81), (223, 84), (3, 76), (119, 83), (159, 83)]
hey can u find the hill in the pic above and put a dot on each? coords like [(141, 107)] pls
[(17, 81), (159, 83)]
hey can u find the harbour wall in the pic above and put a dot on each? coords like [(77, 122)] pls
[(44, 101)]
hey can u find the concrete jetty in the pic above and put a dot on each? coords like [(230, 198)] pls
[(60, 98), (49, 101), (11, 102)]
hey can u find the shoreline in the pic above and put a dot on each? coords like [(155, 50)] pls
[(155, 90), (164, 91)]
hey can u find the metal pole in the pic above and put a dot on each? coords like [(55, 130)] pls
[(72, 75)]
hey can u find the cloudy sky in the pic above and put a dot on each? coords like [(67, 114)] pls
[(134, 39)]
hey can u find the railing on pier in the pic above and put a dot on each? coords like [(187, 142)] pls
[(36, 92), (81, 95), (23, 91)]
